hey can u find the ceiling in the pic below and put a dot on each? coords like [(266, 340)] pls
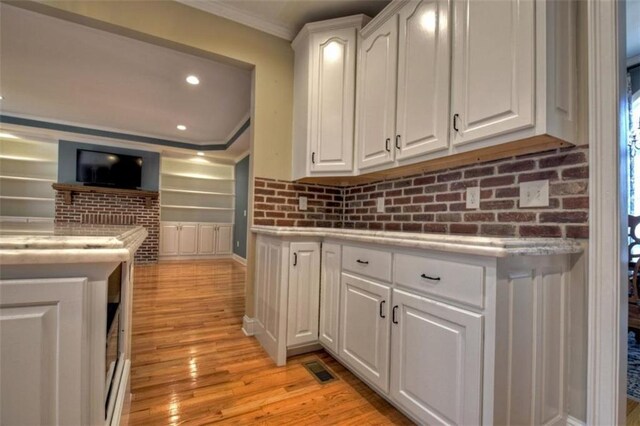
[(63, 72), (633, 28), (284, 18)]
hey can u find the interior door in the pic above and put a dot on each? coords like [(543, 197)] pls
[(364, 328), (422, 123), (304, 293), (377, 95), (333, 74), (493, 87), (188, 241), (224, 239), (330, 295), (169, 236), (436, 360)]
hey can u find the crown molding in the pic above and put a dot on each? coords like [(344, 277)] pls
[(229, 12)]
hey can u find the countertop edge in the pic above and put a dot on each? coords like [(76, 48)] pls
[(483, 246), (129, 242)]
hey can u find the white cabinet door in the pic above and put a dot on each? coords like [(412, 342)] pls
[(304, 293), (270, 298), (377, 95), (330, 295), (364, 328), (206, 238), (224, 239), (188, 241), (41, 351), (493, 87), (169, 237), (333, 69), (422, 123), (436, 360)]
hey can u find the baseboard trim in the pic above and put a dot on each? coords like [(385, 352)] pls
[(247, 326), (239, 259), (196, 257), (303, 349), (572, 421)]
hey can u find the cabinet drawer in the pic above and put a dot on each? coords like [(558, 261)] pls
[(457, 281), (370, 263)]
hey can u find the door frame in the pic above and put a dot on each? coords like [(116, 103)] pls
[(607, 305)]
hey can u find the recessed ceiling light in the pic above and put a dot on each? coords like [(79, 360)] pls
[(181, 127), (8, 136), (1, 97), (192, 79), (200, 153)]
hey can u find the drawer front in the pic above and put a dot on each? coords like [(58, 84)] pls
[(460, 282), (370, 263)]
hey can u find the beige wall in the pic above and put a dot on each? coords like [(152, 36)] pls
[(185, 28)]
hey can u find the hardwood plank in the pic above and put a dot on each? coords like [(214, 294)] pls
[(192, 364)]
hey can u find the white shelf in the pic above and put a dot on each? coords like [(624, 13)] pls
[(31, 179), (196, 176), (189, 191), (6, 197), (29, 159), (165, 206)]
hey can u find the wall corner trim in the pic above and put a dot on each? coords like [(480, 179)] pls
[(247, 325)]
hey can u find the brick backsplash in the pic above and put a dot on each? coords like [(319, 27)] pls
[(434, 201), (276, 203), (112, 209)]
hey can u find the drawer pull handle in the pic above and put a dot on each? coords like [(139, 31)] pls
[(427, 277), (382, 302), (393, 314), (363, 262)]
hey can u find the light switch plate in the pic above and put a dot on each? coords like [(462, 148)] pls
[(473, 197), (534, 194), (302, 203), (380, 204)]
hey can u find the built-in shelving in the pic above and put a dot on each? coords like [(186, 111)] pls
[(28, 167), (196, 190)]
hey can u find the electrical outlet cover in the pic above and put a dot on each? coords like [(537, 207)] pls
[(302, 203), (473, 197), (380, 204), (534, 194)]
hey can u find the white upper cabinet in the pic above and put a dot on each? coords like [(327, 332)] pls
[(422, 123), (493, 68), (514, 72), (377, 94), (324, 97)]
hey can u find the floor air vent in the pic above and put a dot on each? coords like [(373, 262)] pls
[(319, 371)]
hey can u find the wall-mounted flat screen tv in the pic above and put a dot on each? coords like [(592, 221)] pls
[(108, 169)]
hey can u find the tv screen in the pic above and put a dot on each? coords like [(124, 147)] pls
[(108, 169)]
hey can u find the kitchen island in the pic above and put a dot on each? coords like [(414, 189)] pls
[(450, 329), (65, 331)]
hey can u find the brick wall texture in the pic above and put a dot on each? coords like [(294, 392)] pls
[(111, 209), (434, 202)]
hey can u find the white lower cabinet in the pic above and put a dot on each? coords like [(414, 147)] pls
[(304, 292), (436, 360), (447, 337), (195, 239), (41, 349), (330, 296), (364, 328)]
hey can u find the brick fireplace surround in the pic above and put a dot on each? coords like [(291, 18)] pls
[(114, 209), (434, 201)]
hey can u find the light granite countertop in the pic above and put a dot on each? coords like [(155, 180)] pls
[(39, 243), (483, 246)]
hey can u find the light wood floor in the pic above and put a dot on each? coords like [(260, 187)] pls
[(192, 364)]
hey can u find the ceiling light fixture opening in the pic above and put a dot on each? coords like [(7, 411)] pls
[(4, 135), (200, 153), (181, 127), (192, 79)]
